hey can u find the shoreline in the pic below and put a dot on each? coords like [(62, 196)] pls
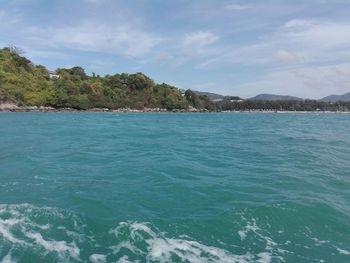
[(12, 108), (150, 110)]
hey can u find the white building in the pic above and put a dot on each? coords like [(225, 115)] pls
[(53, 75)]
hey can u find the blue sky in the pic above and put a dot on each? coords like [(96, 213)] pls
[(243, 48)]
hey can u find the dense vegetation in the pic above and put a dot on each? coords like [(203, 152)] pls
[(27, 84), (285, 105)]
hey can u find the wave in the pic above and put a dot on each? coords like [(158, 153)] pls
[(55, 235), (51, 234), (141, 241), (26, 228)]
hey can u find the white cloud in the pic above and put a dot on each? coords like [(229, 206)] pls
[(306, 82), (322, 35), (293, 56), (188, 48), (120, 39), (299, 42), (292, 51), (117, 37), (200, 39)]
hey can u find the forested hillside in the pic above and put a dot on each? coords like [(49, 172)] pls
[(25, 83)]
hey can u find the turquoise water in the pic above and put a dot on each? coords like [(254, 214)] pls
[(104, 187)]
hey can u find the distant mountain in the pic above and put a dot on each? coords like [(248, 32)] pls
[(274, 97), (335, 98), (211, 96)]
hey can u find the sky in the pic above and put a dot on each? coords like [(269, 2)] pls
[(244, 48)]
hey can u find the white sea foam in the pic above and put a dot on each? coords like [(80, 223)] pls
[(319, 242), (242, 234), (36, 229), (98, 258), (273, 250), (124, 259), (20, 229), (342, 251), (155, 246), (251, 226), (265, 257), (62, 248), (8, 259)]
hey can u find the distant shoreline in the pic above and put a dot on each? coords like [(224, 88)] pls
[(149, 110)]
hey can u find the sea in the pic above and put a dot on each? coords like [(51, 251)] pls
[(174, 187)]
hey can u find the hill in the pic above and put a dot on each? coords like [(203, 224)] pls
[(211, 96), (25, 84), (335, 98), (272, 97)]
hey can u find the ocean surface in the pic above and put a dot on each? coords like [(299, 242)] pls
[(216, 187)]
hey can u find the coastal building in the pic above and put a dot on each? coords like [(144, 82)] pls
[(53, 75)]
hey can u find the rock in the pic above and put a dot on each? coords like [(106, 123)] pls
[(8, 106), (192, 109)]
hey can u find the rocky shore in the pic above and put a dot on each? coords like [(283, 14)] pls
[(12, 107)]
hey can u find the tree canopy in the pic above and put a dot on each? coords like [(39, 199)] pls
[(27, 84)]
